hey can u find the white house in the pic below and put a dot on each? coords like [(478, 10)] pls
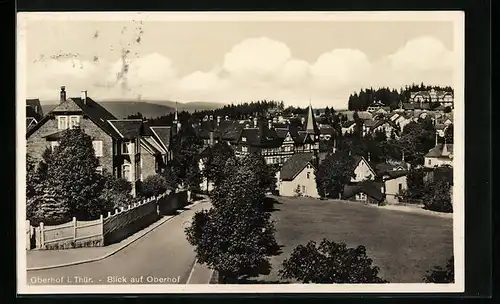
[(394, 183), (297, 176), (440, 155), (362, 170)]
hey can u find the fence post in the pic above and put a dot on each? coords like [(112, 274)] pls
[(102, 229), (28, 235), (74, 228), (109, 213), (42, 236)]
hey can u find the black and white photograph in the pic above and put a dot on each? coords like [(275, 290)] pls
[(232, 152)]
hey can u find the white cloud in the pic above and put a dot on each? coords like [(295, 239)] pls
[(340, 67), (255, 68), (423, 53), (255, 58)]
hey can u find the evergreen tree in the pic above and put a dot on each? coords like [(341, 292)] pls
[(72, 175)]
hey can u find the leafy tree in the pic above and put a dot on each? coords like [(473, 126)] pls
[(447, 109), (438, 196), (215, 160), (333, 173), (115, 192), (72, 175), (416, 140), (441, 275), (154, 185), (330, 262), (266, 173), (186, 147), (235, 237)]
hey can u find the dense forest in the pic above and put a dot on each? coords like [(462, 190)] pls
[(261, 108), (389, 97)]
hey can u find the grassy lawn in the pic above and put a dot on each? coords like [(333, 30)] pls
[(403, 245)]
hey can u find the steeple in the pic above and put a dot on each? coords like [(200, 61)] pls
[(311, 126)]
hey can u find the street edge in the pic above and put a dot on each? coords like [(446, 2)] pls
[(156, 225)]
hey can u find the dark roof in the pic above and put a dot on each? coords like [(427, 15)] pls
[(281, 132), (31, 112), (127, 128), (54, 136), (394, 174), (328, 130), (261, 137), (163, 134), (371, 189), (348, 124), (30, 122), (294, 165), (97, 113)]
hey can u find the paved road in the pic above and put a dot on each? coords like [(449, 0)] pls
[(162, 256)]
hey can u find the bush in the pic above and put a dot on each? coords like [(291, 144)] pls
[(438, 197), (330, 262), (440, 275), (154, 185)]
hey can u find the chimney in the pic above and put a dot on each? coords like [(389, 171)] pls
[(63, 94), (270, 124), (403, 156), (255, 122), (368, 156), (334, 146), (226, 118), (84, 97), (218, 120)]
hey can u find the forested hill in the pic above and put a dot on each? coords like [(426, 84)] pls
[(389, 97)]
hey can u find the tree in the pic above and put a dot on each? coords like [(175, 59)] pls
[(438, 196), (333, 173), (235, 237), (72, 175), (186, 147), (115, 192), (215, 160), (439, 275), (330, 262), (154, 185), (266, 173)]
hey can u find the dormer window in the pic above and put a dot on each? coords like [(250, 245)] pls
[(74, 121), (62, 122)]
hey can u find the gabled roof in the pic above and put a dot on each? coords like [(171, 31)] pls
[(30, 122), (371, 189), (311, 125), (392, 174), (294, 165), (97, 113), (31, 112), (163, 134), (127, 128), (441, 150)]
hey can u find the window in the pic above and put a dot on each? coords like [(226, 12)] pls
[(400, 187), (308, 175), (99, 170), (304, 189), (126, 172), (362, 196), (74, 121), (127, 147), (243, 139), (97, 147), (53, 145), (62, 122), (244, 149), (429, 162)]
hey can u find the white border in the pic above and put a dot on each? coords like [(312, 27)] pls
[(456, 17)]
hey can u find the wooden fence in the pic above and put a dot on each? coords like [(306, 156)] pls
[(108, 229)]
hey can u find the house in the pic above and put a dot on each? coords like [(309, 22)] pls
[(440, 155), (126, 148), (394, 182), (348, 127), (297, 176), (367, 192), (34, 112), (361, 169)]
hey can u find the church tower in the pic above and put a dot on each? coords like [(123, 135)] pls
[(312, 129), (177, 123)]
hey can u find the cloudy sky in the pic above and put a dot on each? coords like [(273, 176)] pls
[(230, 61)]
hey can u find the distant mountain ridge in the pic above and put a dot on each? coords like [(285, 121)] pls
[(148, 108)]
